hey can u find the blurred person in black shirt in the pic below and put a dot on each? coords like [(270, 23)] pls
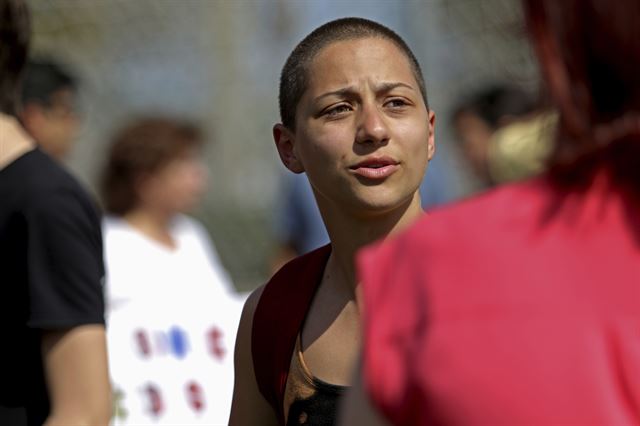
[(53, 363)]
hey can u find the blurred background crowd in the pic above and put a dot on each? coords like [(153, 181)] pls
[(164, 110), (99, 67)]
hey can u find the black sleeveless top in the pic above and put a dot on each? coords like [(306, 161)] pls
[(307, 399)]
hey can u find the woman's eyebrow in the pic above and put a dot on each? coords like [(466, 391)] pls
[(350, 91), (387, 87), (343, 92)]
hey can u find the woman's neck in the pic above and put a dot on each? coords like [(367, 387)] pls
[(348, 234), (153, 224)]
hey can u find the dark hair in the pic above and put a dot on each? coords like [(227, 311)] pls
[(15, 33), (143, 147), (496, 102), (589, 51), (293, 80), (43, 78)]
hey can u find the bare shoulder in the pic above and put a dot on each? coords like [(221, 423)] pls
[(243, 339), (249, 406), (245, 328), (252, 303)]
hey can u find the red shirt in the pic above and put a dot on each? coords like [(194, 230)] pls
[(518, 307)]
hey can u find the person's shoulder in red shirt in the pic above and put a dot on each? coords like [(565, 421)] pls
[(495, 309)]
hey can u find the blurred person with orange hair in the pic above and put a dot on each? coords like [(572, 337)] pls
[(53, 362), (522, 306)]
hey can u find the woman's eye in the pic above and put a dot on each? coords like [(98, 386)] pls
[(338, 110), (396, 103)]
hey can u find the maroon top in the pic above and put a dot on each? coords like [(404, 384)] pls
[(518, 307), (278, 318)]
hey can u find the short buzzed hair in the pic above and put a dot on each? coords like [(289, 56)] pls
[(294, 77)]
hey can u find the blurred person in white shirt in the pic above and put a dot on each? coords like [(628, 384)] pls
[(153, 176)]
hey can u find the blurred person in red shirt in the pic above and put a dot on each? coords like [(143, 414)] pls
[(522, 306)]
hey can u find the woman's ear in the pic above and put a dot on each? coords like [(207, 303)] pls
[(431, 141), (285, 142)]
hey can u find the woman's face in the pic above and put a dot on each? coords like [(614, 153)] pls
[(363, 133), (177, 187)]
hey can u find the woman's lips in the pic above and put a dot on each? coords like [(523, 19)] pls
[(375, 168)]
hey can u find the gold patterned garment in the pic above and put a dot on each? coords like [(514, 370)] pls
[(307, 399)]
